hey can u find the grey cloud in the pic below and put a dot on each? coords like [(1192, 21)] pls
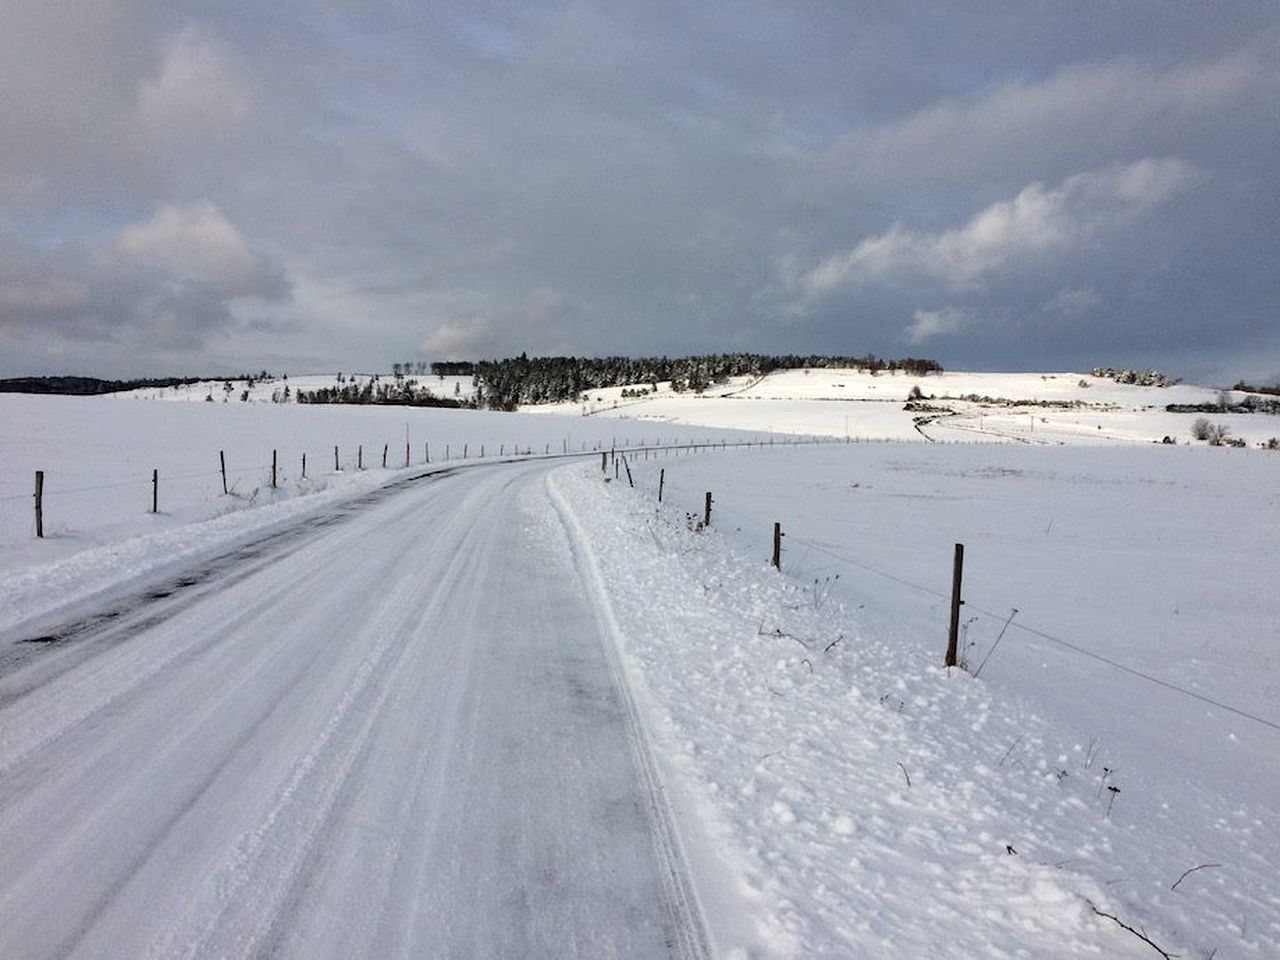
[(410, 178)]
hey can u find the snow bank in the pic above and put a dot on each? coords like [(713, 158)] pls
[(870, 802)]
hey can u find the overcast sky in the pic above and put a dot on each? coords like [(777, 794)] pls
[(189, 188)]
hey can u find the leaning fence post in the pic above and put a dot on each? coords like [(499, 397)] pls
[(222, 458), (155, 491), (662, 478), (630, 482), (953, 636), (706, 516), (777, 546), (40, 504)]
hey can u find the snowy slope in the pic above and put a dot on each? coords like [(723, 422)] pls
[(1039, 408), (271, 389)]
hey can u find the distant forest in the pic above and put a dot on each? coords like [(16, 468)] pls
[(505, 384), (86, 386)]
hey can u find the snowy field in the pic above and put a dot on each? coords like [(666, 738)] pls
[(98, 454), (1160, 560), (1029, 408), (836, 792)]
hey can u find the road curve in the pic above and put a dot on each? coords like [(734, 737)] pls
[(403, 735)]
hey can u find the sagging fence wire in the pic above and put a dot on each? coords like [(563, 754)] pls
[(1049, 637), (1010, 623)]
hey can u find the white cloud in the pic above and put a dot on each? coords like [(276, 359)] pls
[(1040, 220), (454, 339), (196, 243), (926, 324), (196, 87)]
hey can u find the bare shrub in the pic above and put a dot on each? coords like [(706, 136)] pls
[(1200, 429)]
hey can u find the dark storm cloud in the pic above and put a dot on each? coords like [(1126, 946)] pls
[(364, 182)]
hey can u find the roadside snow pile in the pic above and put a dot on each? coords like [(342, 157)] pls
[(869, 802)]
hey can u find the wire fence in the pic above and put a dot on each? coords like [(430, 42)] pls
[(1010, 623)]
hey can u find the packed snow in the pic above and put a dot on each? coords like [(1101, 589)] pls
[(824, 786)]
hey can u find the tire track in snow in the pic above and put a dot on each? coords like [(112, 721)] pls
[(681, 900)]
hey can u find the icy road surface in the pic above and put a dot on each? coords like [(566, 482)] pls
[(400, 732)]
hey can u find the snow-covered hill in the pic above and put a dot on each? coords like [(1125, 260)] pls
[(952, 406)]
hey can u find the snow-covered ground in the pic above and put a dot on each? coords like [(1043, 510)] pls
[(271, 389), (98, 454), (836, 792), (1036, 408), (799, 704)]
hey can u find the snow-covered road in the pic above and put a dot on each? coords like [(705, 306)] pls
[(400, 731)]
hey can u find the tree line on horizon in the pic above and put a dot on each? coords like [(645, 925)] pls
[(506, 384)]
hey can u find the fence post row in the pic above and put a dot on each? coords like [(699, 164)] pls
[(953, 635)]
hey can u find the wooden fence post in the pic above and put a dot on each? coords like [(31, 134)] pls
[(385, 447), (706, 516), (426, 452), (40, 504), (604, 462), (155, 491), (630, 482), (662, 478), (360, 457), (304, 466), (222, 458), (464, 451), (336, 467), (953, 635), (406, 454), (273, 469), (777, 546), (482, 451)]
